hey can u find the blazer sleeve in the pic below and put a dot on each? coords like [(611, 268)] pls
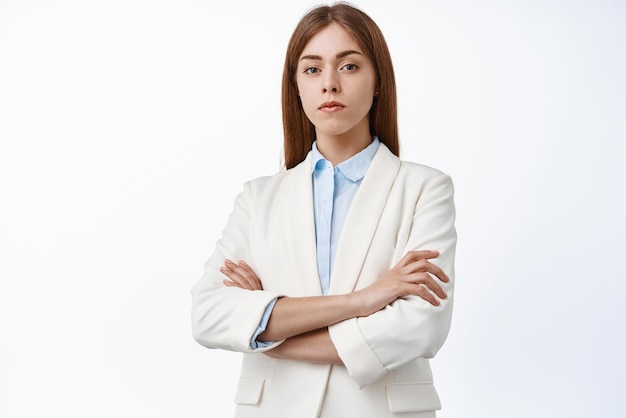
[(227, 317), (410, 327)]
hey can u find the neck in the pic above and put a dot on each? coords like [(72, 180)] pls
[(339, 148)]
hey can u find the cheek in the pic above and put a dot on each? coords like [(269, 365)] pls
[(366, 97), (371, 90), (306, 98)]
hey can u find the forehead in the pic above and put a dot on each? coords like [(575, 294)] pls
[(330, 40)]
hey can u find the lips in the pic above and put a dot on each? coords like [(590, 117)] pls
[(331, 106)]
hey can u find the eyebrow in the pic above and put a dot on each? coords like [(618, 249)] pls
[(339, 55)]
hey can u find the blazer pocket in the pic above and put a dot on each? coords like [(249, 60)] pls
[(249, 390), (412, 397)]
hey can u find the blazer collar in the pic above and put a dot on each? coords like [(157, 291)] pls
[(362, 221), (301, 235)]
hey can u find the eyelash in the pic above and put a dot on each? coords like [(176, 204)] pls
[(314, 70)]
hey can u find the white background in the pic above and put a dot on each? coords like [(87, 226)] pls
[(128, 127)]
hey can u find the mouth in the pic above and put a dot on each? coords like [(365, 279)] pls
[(331, 106)]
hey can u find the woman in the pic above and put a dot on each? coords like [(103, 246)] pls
[(329, 276)]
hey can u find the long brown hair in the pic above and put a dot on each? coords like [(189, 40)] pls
[(299, 132)]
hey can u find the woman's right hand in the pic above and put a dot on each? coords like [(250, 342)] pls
[(412, 275)]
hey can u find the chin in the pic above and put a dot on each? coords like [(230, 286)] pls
[(333, 129), (338, 132)]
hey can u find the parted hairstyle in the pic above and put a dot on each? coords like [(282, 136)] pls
[(299, 132)]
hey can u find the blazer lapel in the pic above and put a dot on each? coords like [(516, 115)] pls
[(301, 245), (362, 220)]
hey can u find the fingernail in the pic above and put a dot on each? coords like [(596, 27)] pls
[(243, 263)]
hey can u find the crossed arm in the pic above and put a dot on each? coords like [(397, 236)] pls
[(303, 321)]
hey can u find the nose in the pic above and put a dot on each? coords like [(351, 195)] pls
[(331, 83)]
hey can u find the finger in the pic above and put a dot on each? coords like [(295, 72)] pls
[(438, 272), (251, 275), (234, 277), (412, 256), (422, 255), (425, 265), (247, 272), (234, 273), (239, 275), (427, 280), (423, 293), (230, 283), (244, 275)]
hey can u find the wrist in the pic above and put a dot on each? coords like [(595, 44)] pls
[(355, 304)]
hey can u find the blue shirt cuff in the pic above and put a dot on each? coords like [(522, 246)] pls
[(254, 344)]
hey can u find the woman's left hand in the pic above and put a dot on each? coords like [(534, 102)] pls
[(241, 276)]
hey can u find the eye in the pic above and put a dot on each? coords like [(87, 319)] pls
[(311, 70), (350, 67)]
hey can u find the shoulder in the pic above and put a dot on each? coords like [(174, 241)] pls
[(414, 173), (264, 181), (409, 168), (410, 172), (416, 182), (423, 183), (270, 184)]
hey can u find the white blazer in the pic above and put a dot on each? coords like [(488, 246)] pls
[(399, 207)]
